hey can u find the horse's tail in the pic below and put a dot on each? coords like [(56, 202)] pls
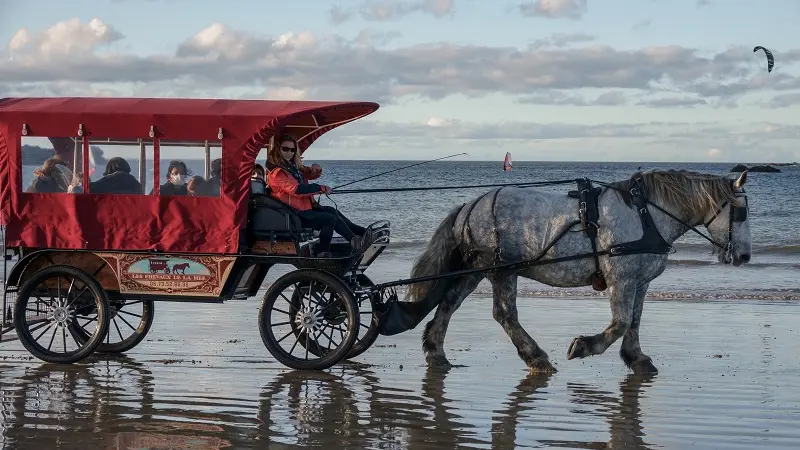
[(440, 256)]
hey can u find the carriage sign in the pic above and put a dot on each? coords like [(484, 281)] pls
[(163, 274)]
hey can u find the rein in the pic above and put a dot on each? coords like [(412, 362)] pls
[(633, 191)]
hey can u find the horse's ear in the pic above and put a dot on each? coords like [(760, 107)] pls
[(741, 180)]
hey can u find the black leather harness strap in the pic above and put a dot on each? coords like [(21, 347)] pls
[(589, 213), (651, 240)]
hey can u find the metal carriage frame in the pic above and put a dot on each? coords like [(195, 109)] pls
[(58, 280)]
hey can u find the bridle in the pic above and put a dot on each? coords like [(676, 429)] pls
[(736, 214)]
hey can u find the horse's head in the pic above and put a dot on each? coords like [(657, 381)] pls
[(729, 226)]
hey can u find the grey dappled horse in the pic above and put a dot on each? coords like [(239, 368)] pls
[(520, 222)]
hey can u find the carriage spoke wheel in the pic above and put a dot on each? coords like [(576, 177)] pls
[(313, 330), (56, 305), (129, 322), (367, 331)]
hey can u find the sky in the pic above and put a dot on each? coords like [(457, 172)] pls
[(547, 80)]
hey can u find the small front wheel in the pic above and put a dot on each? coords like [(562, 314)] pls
[(53, 307), (313, 331)]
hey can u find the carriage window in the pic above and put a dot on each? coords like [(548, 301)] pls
[(48, 164), (120, 166), (190, 168)]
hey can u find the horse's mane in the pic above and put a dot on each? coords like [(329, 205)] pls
[(695, 191)]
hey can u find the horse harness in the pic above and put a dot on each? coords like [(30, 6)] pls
[(589, 213)]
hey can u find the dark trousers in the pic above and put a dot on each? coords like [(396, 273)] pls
[(327, 220)]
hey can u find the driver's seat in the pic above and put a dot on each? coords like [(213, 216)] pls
[(274, 221)]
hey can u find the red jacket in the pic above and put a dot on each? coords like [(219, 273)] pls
[(287, 189)]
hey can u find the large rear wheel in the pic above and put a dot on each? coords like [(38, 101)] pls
[(55, 306), (367, 331), (325, 319)]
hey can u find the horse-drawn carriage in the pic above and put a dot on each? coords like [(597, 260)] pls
[(87, 260), (91, 266)]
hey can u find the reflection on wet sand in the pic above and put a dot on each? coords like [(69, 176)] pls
[(109, 404), (622, 413), (113, 404)]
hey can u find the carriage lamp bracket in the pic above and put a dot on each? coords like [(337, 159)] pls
[(219, 134), (152, 133), (24, 129), (80, 129)]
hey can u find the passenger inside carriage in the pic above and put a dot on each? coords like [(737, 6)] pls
[(211, 186), (258, 181), (117, 179), (177, 173), (53, 176), (288, 180), (195, 185)]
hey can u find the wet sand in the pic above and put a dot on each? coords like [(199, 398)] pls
[(202, 379)]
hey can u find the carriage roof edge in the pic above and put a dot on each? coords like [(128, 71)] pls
[(306, 120), (246, 127)]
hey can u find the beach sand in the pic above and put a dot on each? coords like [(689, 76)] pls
[(202, 379)]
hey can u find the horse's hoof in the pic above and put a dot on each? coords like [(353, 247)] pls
[(644, 367), (578, 349), (438, 362), (541, 366)]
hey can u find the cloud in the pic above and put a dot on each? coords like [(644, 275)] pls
[(388, 10), (785, 100), (554, 9), (561, 98), (435, 122), (561, 40), (714, 153), (673, 102), (218, 57), (69, 38)]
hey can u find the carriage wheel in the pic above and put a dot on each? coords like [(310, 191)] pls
[(128, 324), (51, 305), (327, 317), (367, 328)]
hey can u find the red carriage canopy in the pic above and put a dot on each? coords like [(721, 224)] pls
[(150, 222)]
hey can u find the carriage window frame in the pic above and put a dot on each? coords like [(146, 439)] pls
[(28, 133), (141, 141), (209, 144)]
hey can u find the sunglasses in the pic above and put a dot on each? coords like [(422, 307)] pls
[(288, 149)]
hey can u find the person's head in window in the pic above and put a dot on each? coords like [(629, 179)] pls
[(54, 175), (194, 184), (216, 168), (177, 172), (115, 165)]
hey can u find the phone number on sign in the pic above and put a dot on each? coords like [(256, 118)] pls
[(169, 284)]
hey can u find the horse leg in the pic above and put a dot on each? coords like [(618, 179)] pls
[(622, 299), (435, 330), (630, 351), (504, 310)]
